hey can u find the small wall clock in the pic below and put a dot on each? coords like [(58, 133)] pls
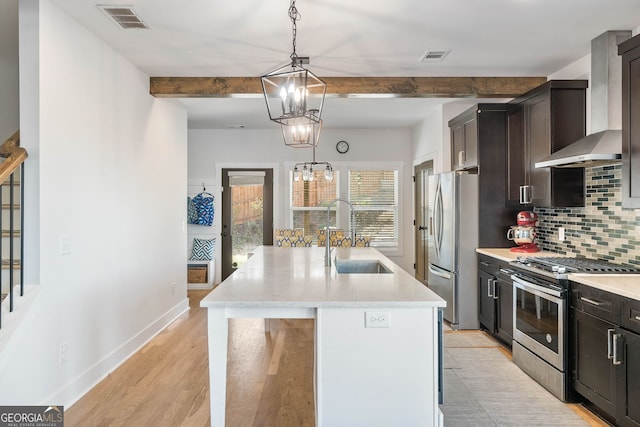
[(342, 147)]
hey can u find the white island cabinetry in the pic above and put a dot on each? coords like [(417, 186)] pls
[(373, 376)]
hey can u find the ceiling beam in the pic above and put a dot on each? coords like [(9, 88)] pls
[(372, 87)]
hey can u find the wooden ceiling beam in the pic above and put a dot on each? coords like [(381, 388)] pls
[(372, 87)]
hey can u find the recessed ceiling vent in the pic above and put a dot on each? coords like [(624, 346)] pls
[(124, 17), (434, 55)]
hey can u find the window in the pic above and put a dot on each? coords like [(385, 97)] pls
[(309, 201), (374, 195), (373, 189)]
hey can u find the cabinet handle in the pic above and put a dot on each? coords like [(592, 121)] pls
[(638, 318), (486, 264), (525, 194), (610, 343), (461, 158), (495, 289), (592, 302), (615, 361), (489, 288)]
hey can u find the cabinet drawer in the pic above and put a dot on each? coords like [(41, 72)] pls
[(596, 302), (630, 314), (488, 264)]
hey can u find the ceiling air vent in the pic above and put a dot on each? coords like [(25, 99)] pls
[(434, 55), (124, 17)]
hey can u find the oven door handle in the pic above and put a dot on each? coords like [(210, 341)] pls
[(522, 284)]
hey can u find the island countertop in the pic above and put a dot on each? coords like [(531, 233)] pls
[(297, 277)]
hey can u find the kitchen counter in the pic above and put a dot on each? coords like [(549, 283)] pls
[(626, 285), (376, 335), (297, 277), (505, 254)]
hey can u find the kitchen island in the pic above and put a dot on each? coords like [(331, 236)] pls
[(376, 335)]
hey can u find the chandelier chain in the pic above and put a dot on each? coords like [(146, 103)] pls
[(294, 15)]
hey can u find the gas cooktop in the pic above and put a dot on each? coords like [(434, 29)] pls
[(560, 267)]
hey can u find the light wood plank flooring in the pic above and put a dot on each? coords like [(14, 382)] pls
[(270, 379)]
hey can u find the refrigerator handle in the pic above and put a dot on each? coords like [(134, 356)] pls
[(440, 273), (437, 213)]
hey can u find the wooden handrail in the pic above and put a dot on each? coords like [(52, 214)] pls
[(14, 155)]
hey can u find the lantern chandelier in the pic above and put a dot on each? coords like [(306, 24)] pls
[(295, 96), (306, 169)]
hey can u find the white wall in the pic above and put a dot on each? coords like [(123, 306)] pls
[(9, 94), (112, 183), (208, 149)]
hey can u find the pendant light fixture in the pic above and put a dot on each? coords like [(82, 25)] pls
[(305, 170), (295, 96)]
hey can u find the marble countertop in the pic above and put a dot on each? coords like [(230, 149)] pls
[(297, 277)]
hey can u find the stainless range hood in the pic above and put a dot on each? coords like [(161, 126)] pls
[(605, 145)]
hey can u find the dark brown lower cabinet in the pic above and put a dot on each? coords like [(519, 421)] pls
[(593, 374), (606, 353), (495, 310)]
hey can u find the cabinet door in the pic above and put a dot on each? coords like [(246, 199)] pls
[(471, 143), (538, 129), (505, 310), (487, 308), (516, 172), (593, 374), (457, 147), (629, 381), (631, 128)]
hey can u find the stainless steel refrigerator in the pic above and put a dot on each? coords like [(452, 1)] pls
[(453, 239)]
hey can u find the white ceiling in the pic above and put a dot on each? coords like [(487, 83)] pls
[(353, 38)]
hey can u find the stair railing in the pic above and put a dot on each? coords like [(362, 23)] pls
[(14, 157)]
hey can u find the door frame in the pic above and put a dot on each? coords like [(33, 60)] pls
[(226, 256)]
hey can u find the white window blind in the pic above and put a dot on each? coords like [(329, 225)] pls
[(374, 195)]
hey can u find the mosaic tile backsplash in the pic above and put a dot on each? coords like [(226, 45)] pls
[(601, 229)]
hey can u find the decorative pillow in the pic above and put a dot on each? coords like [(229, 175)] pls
[(203, 249)]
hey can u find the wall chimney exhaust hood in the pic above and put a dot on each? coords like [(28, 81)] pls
[(604, 146)]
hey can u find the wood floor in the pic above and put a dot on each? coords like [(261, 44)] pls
[(270, 378)]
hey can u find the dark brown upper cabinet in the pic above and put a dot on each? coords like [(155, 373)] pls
[(540, 122), (630, 51), (483, 130)]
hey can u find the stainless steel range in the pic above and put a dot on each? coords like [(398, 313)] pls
[(540, 315)]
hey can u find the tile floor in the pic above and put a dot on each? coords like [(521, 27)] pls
[(483, 387)]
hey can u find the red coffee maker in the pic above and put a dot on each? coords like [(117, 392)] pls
[(524, 233)]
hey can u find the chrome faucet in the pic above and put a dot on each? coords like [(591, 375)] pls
[(352, 225)]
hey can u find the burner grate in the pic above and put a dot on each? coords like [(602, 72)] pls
[(583, 265)]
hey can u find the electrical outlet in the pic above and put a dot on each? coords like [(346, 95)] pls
[(173, 288), (561, 234), (376, 319), (64, 353)]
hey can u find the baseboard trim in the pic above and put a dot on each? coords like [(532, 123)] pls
[(83, 383)]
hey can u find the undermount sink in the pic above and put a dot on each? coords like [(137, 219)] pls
[(360, 266)]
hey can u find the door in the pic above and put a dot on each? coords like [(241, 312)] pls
[(486, 299), (421, 173), (593, 376), (443, 226), (443, 283), (628, 381), (247, 215)]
